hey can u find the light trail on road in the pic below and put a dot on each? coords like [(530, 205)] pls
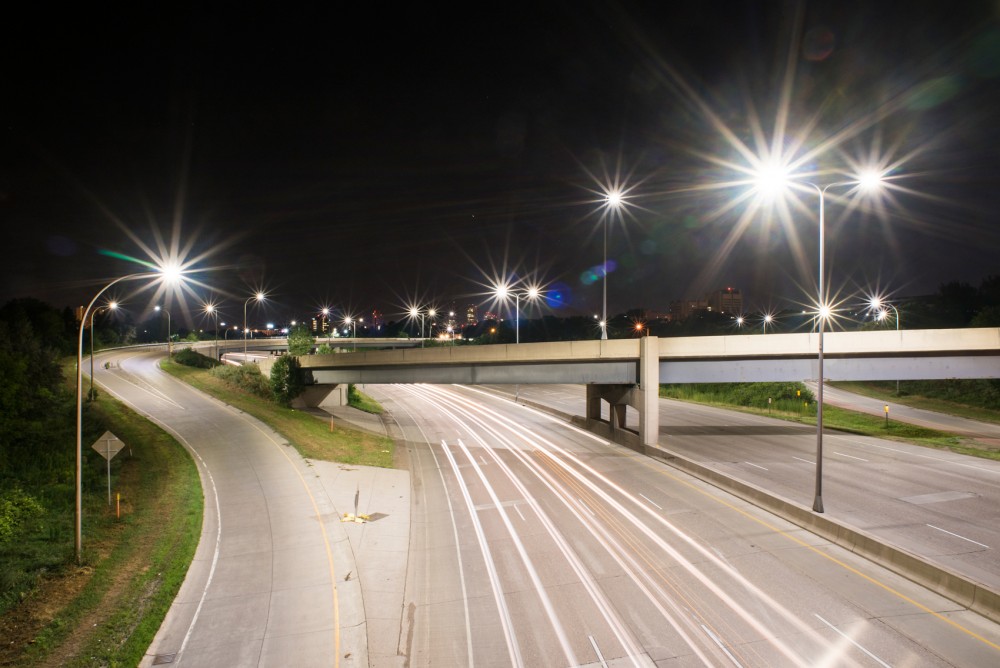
[(656, 585)]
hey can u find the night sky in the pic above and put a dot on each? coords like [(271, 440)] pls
[(381, 156)]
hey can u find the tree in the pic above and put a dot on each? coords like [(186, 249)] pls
[(300, 341), (286, 379)]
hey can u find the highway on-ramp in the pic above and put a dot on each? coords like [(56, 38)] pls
[(266, 585)]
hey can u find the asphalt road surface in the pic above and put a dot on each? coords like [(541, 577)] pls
[(941, 505), (534, 543)]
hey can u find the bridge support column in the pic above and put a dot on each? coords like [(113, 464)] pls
[(320, 396), (643, 397)]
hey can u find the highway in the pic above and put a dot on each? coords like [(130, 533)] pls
[(938, 504), (535, 543), (529, 543)]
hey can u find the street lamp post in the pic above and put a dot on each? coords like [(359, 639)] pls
[(110, 307), (531, 293), (878, 305), (259, 297), (212, 311), (79, 404), (612, 200), (771, 180), (170, 352)]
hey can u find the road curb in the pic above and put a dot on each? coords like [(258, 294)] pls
[(974, 596)]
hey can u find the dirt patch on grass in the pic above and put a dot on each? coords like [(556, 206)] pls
[(22, 623)]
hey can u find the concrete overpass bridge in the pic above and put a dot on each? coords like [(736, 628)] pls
[(628, 372)]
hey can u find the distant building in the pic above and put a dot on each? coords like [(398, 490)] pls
[(320, 325), (725, 301), (683, 309), (471, 316)]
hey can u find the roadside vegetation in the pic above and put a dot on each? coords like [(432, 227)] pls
[(796, 403), (106, 609), (972, 399), (245, 388)]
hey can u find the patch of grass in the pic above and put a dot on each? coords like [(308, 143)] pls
[(841, 420), (314, 439), (362, 401), (909, 396), (106, 611)]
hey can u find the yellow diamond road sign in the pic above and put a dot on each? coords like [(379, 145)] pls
[(108, 445)]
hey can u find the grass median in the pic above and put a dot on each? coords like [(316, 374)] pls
[(312, 437)]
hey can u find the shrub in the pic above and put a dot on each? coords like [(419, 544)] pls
[(16, 508), (247, 377), (190, 357)]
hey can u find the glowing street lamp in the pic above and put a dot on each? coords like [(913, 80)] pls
[(771, 180), (170, 352), (259, 297), (167, 274), (531, 293), (211, 310), (768, 319), (881, 309)]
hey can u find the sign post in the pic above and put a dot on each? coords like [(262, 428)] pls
[(108, 445)]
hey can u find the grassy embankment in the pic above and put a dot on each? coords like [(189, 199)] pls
[(975, 400), (313, 438), (786, 405), (106, 610)]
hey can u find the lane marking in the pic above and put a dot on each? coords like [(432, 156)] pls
[(852, 641), (454, 529), (757, 465), (513, 648), (597, 651), (803, 460), (957, 536), (651, 501), (849, 456), (718, 642)]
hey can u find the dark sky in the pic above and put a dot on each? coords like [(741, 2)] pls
[(370, 157)]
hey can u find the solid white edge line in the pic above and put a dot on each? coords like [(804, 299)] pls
[(852, 641), (957, 536)]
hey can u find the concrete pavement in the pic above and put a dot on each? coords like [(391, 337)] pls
[(278, 578)]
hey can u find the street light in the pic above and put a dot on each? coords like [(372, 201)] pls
[(110, 307), (880, 307), (415, 312), (532, 293), (212, 311), (769, 181), (324, 322), (765, 321), (613, 200), (259, 297), (169, 347), (167, 274)]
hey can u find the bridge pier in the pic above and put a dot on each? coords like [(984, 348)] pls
[(642, 397), (320, 396)]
